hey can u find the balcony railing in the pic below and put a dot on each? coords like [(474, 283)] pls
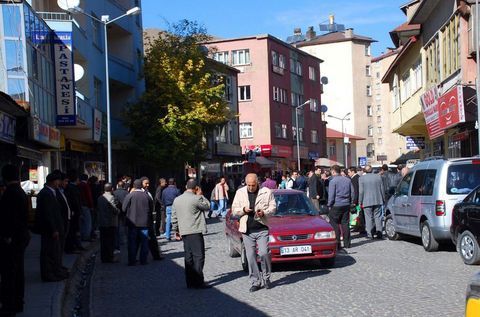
[(55, 16), (84, 113)]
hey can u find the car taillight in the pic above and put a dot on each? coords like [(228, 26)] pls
[(475, 162), (440, 208)]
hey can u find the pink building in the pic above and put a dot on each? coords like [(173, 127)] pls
[(275, 78)]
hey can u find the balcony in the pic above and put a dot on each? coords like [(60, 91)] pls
[(122, 71)]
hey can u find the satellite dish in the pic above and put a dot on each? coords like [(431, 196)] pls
[(323, 108), (78, 72), (324, 80), (68, 4)]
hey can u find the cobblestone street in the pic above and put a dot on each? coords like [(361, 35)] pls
[(375, 278)]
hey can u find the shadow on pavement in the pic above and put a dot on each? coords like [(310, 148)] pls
[(446, 246), (227, 277), (298, 276)]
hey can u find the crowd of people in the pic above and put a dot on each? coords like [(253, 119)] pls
[(72, 208)]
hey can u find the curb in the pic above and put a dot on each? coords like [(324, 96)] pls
[(73, 290)]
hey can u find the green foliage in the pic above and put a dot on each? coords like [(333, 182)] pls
[(183, 98)]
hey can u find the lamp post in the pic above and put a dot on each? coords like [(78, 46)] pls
[(296, 125), (105, 21), (343, 135)]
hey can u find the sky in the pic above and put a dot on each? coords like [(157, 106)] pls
[(229, 19)]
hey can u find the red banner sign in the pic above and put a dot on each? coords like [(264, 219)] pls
[(429, 102), (451, 108)]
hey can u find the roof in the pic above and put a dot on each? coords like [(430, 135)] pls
[(385, 55), (334, 37), (10, 106), (406, 29), (334, 134), (264, 36), (402, 52), (406, 5)]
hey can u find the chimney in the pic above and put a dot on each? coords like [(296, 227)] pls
[(349, 33), (297, 31), (311, 34), (331, 19)]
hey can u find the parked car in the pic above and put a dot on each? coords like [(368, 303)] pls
[(423, 201), (297, 232), (472, 302), (465, 228)]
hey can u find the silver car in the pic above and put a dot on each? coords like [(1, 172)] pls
[(423, 201)]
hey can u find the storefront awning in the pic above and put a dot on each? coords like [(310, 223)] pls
[(264, 162), (325, 162)]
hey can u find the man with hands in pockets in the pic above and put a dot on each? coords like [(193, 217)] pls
[(254, 205)]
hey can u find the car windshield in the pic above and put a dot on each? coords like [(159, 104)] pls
[(294, 204), (462, 179)]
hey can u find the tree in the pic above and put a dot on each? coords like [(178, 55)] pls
[(184, 98)]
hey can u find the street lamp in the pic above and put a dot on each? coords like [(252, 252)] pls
[(343, 135), (298, 141), (105, 20)]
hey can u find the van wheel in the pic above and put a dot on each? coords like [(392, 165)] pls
[(390, 228), (428, 241), (468, 248), (243, 258), (231, 249)]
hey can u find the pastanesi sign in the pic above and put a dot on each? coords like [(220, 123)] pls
[(66, 110)]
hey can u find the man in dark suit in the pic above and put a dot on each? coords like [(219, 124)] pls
[(372, 197), (14, 238), (50, 223), (72, 192), (316, 188)]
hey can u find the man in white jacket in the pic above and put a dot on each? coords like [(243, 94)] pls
[(254, 204)]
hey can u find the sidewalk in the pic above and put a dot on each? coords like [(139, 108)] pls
[(42, 299)]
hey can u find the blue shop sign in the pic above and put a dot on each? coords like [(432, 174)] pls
[(7, 128), (313, 155), (362, 161)]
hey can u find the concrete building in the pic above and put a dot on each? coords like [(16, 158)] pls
[(85, 140), (276, 78), (432, 79), (347, 65), (387, 145)]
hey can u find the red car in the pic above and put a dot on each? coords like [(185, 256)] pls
[(297, 232)]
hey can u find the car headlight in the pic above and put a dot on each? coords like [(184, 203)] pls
[(271, 238), (324, 235)]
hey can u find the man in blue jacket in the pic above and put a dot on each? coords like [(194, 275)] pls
[(168, 196)]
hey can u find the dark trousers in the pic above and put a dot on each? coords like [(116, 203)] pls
[(194, 247), (12, 288), (137, 239), (153, 243), (107, 243), (340, 217), (72, 241), (50, 258)]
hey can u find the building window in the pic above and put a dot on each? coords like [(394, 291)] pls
[(284, 131), (97, 91), (244, 93), (405, 91), (274, 58), (367, 50), (370, 150), (417, 75), (300, 134), (368, 71), (241, 57), (314, 136), (97, 32), (281, 61), (378, 75), (370, 130), (295, 67), (369, 111), (228, 88), (246, 130), (380, 141), (314, 105), (278, 130), (221, 57), (332, 148), (297, 99), (395, 101), (311, 73), (379, 108), (379, 119), (369, 90), (279, 95), (379, 130)]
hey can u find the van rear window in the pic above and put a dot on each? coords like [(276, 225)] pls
[(462, 179)]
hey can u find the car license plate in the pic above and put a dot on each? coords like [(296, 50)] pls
[(301, 249)]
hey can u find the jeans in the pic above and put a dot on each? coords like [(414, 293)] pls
[(168, 224), (85, 223), (137, 238), (222, 208)]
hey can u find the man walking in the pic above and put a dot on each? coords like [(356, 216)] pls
[(254, 205), (316, 189), (14, 238), (168, 196), (137, 205), (372, 197), (51, 227), (188, 222), (340, 198), (220, 194), (108, 212)]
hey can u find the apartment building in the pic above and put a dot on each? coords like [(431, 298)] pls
[(278, 85)]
